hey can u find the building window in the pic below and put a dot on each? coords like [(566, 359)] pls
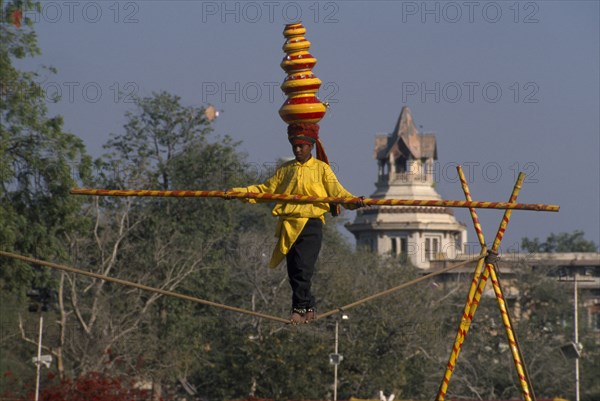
[(394, 246), (432, 247), (458, 242)]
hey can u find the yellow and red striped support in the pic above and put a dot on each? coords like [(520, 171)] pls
[(473, 298), (510, 334), (315, 199), (490, 271), (473, 295)]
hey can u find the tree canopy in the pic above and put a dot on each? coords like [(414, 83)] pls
[(561, 242)]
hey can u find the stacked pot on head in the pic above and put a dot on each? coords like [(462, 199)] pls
[(302, 110)]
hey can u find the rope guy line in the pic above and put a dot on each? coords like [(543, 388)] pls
[(397, 288), (222, 306), (141, 286)]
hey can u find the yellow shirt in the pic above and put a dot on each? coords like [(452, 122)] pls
[(312, 178)]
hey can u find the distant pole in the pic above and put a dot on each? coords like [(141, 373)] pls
[(335, 366), (576, 328), (39, 359), (574, 348)]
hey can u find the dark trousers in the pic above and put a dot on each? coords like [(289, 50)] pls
[(301, 260)]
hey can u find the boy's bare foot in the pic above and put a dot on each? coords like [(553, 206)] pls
[(298, 316), (311, 314)]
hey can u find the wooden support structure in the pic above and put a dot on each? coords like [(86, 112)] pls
[(476, 289)]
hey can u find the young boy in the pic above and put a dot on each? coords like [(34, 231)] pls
[(300, 225)]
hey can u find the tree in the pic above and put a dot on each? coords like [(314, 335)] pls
[(562, 242), (39, 160), (39, 163), (171, 244), (157, 132), (574, 242)]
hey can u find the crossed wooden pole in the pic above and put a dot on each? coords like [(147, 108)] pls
[(476, 289)]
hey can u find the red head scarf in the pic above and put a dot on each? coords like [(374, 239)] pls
[(307, 133)]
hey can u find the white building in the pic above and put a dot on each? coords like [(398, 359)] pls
[(405, 161)]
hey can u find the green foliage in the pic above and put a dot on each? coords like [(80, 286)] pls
[(38, 159), (589, 366), (158, 131), (17, 41), (39, 163), (562, 242)]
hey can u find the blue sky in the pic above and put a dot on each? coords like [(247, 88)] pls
[(506, 86)]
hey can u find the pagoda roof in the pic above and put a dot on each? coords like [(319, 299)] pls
[(406, 141)]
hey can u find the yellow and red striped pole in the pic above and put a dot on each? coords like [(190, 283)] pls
[(473, 295), (315, 199), (526, 386), (524, 380), (474, 298)]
